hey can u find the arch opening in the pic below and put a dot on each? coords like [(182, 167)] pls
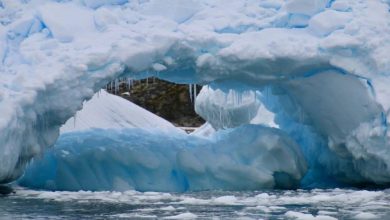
[(303, 137)]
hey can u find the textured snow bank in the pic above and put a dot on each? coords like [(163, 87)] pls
[(244, 158), (49, 66)]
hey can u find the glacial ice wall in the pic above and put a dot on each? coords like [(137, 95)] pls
[(311, 60)]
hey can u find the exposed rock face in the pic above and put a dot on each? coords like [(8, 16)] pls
[(168, 100)]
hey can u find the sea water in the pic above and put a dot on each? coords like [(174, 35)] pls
[(275, 204)]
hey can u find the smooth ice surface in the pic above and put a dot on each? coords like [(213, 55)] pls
[(246, 158), (108, 111), (56, 54)]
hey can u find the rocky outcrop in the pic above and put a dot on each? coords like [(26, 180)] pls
[(168, 100)]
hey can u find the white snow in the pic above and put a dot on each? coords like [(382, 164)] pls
[(66, 21), (305, 7), (108, 111), (328, 21)]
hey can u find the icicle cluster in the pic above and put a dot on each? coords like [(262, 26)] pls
[(192, 92)]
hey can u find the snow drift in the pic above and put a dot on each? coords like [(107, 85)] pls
[(321, 67)]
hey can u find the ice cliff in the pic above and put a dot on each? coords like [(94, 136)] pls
[(321, 68)]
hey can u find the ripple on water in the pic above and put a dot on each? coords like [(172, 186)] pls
[(278, 204)]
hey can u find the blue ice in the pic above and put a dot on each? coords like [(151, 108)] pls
[(249, 157)]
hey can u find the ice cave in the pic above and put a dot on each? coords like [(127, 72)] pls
[(295, 94)]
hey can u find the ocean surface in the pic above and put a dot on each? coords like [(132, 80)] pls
[(275, 204)]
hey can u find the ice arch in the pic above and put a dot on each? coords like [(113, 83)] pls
[(56, 54)]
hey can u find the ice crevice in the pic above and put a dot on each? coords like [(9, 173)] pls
[(325, 83)]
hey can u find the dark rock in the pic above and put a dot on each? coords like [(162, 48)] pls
[(168, 100)]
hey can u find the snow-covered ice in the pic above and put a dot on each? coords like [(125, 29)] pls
[(107, 111), (320, 67)]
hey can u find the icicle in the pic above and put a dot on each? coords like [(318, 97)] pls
[(129, 84), (112, 86), (116, 86), (190, 91), (194, 93)]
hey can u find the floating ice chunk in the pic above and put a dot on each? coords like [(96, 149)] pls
[(303, 216), (366, 215), (187, 215), (226, 200)]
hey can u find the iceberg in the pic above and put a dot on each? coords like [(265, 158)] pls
[(319, 68), (146, 160)]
